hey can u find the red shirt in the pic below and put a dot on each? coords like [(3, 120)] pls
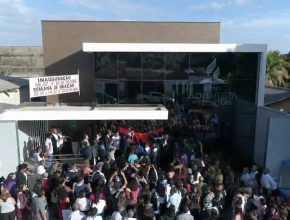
[(132, 196)]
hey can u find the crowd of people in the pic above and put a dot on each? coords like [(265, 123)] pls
[(121, 177)]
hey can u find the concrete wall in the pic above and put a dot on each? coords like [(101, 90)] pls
[(278, 143), (21, 61), (9, 155), (262, 126), (62, 45)]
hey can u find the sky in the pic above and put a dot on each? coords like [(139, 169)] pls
[(242, 21)]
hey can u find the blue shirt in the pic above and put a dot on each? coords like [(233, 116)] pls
[(132, 158)]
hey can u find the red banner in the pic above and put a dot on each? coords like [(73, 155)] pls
[(141, 136)]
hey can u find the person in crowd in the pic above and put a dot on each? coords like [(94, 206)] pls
[(184, 213), (23, 208), (38, 156), (40, 170), (132, 156), (268, 183), (85, 148), (98, 175), (99, 203), (107, 139), (254, 173), (79, 187), (53, 169), (117, 213), (95, 149), (174, 198), (83, 202), (86, 171), (208, 200), (77, 214), (132, 193), (63, 201), (7, 206), (48, 149), (39, 205), (57, 140), (21, 174), (245, 179), (93, 215), (73, 171), (10, 184)]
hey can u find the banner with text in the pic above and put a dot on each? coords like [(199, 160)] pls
[(52, 85)]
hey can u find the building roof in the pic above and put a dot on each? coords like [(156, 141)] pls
[(121, 112), (98, 21), (275, 94), (9, 83)]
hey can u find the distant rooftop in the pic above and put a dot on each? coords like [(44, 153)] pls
[(8, 83), (275, 94)]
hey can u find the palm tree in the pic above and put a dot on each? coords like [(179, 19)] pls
[(277, 73)]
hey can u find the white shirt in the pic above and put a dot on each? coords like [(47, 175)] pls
[(8, 206), (268, 182), (116, 216), (40, 170), (184, 216), (48, 146), (77, 215), (175, 200), (85, 204), (100, 206)]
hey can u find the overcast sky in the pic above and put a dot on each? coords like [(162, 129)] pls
[(242, 21)]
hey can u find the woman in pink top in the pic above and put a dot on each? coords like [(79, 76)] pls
[(132, 193), (22, 206), (238, 213), (86, 171)]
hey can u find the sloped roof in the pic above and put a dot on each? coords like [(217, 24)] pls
[(275, 94), (8, 83)]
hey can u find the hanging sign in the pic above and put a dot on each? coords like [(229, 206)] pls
[(52, 85)]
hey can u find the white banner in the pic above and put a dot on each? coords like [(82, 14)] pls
[(52, 85)]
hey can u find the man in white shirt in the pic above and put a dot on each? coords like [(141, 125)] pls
[(77, 214), (267, 182), (49, 149), (174, 198)]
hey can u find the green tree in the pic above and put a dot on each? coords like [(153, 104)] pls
[(277, 73)]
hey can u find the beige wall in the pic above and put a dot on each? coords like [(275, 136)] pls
[(15, 96), (62, 45)]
